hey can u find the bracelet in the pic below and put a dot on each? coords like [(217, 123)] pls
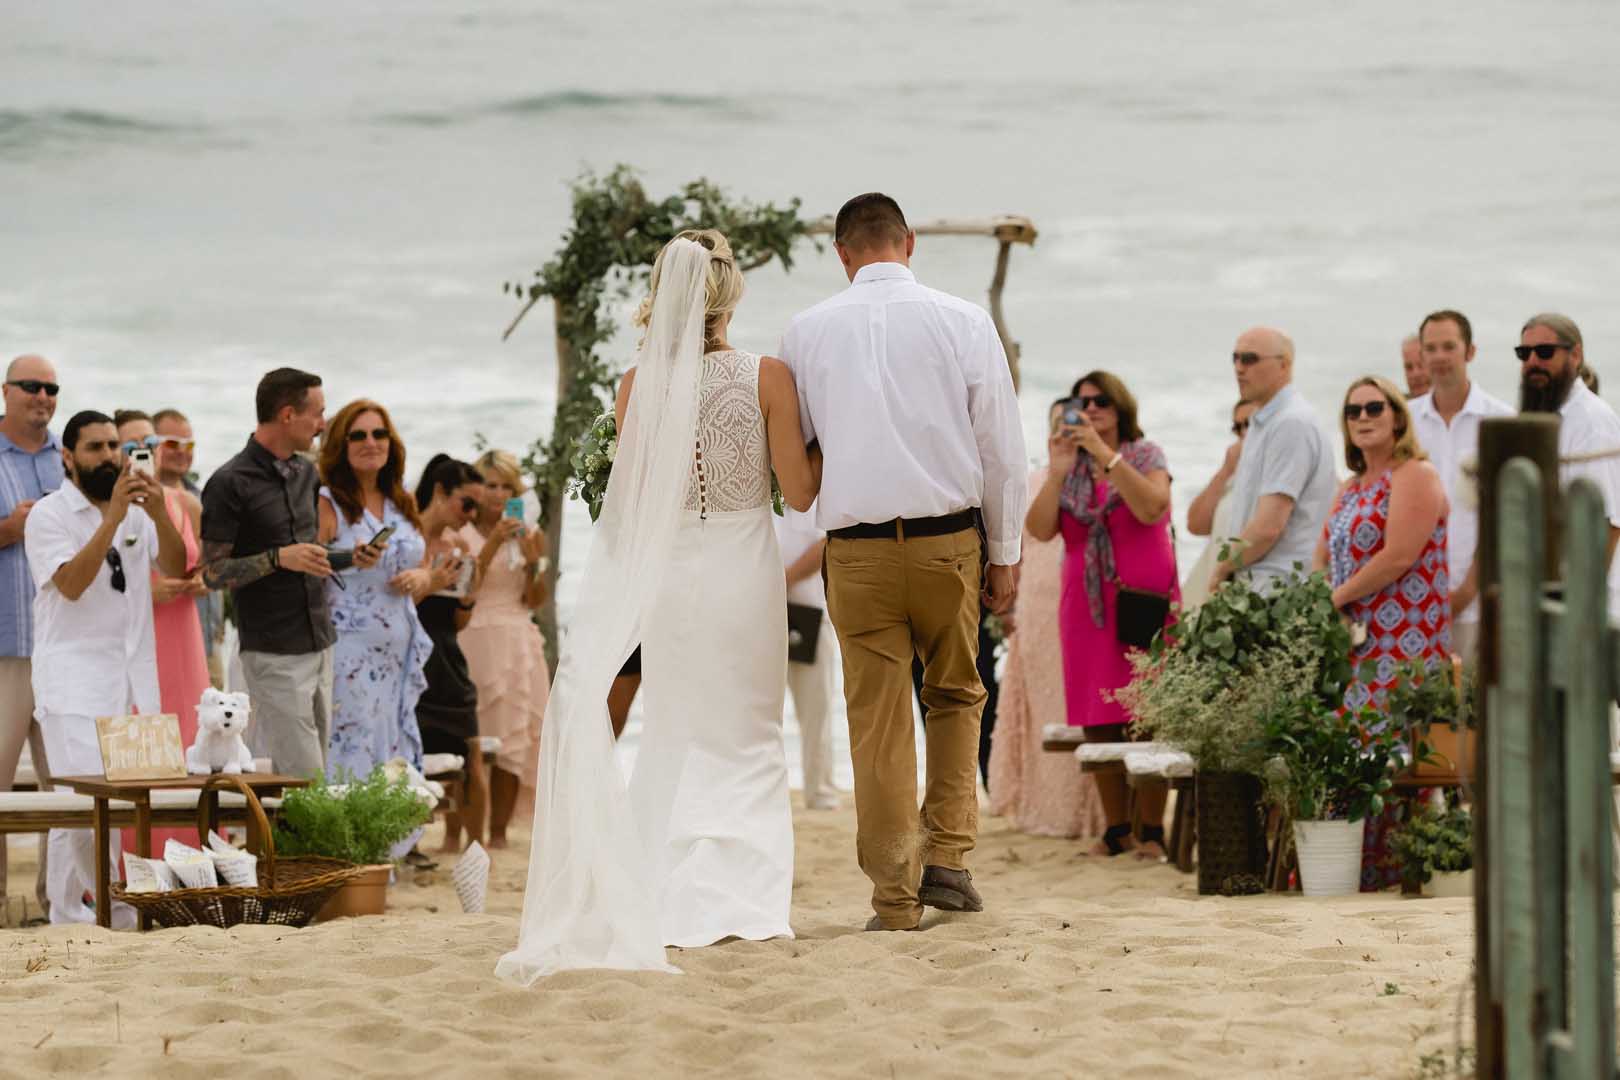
[(275, 558), (466, 605), (1112, 462)]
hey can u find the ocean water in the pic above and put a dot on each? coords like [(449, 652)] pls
[(194, 193)]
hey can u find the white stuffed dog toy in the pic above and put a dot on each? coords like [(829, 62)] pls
[(221, 720)]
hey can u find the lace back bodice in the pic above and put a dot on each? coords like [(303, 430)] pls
[(731, 464)]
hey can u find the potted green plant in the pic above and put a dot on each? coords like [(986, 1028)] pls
[(358, 821), (1207, 689), (1436, 850), (1433, 703), (1329, 770)]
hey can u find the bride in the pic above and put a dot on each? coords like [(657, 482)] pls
[(684, 560)]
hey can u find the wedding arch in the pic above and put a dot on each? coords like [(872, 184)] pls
[(607, 253)]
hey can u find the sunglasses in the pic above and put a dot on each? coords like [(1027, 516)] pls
[(117, 564), (1249, 359), (1240, 427), (1373, 409), (468, 504), (186, 445), (150, 442), (1542, 352), (34, 386), (1101, 401), (376, 434)]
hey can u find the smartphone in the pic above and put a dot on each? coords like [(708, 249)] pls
[(140, 460), (1074, 414), (514, 509), (382, 537)]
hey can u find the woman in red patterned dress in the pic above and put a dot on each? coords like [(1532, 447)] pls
[(1384, 548)]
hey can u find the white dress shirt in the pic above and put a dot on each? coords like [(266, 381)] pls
[(94, 656), (1448, 446), (1588, 425), (908, 390)]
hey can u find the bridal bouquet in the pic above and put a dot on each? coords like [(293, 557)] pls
[(593, 463)]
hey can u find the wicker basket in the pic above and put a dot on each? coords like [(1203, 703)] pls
[(289, 893), (1231, 832)]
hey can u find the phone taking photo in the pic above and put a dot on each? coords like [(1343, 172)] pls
[(381, 537), (514, 509)]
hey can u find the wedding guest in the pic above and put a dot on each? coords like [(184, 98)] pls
[(381, 648), (449, 493), (811, 683), (1283, 487), (1107, 492), (1044, 794), (91, 546), (175, 461), (1384, 548), (30, 469), (1419, 379), (1211, 512), (1446, 423), (260, 532), (506, 654)]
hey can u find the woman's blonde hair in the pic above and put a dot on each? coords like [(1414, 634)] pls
[(504, 465), (1406, 443), (722, 292)]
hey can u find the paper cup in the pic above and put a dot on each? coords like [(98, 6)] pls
[(147, 875), (471, 877), (193, 867)]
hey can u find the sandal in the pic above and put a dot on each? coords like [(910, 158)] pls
[(1113, 837), (1152, 834)]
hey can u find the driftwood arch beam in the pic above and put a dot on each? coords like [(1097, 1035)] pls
[(1006, 230)]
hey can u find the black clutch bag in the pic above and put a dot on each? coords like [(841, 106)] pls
[(1139, 615), (804, 628)]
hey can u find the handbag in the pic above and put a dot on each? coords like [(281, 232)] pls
[(1139, 615), (804, 629)]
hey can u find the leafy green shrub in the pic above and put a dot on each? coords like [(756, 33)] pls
[(1327, 765), (1430, 843), (1424, 694), (355, 820)]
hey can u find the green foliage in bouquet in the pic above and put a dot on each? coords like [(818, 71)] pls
[(1430, 843), (355, 820), (593, 464), (1424, 694), (1324, 765)]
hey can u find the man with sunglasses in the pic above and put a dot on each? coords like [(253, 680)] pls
[(1284, 485), (92, 546), (30, 469), (1447, 423)]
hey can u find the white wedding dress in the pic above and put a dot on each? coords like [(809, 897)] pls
[(710, 789)]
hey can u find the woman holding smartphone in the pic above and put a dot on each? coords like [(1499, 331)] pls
[(506, 653), (381, 648)]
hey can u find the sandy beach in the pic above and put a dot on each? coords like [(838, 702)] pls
[(1077, 968)]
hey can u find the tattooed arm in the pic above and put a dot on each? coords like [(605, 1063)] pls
[(220, 571)]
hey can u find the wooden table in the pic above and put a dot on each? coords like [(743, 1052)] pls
[(139, 792)]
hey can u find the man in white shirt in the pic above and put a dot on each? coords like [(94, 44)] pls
[(810, 683), (1446, 420), (908, 391), (91, 554), (1419, 380)]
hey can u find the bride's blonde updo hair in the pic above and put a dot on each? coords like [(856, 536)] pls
[(721, 293)]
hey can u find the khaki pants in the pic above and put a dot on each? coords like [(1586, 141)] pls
[(18, 727), (292, 709), (890, 600)]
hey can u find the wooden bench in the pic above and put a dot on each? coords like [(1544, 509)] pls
[(38, 811), (1151, 761)]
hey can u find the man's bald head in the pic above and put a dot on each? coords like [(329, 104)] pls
[(30, 399), (1263, 362), (31, 366)]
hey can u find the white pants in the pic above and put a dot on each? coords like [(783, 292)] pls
[(71, 743), (812, 688)]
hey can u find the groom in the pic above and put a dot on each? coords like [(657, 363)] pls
[(908, 391)]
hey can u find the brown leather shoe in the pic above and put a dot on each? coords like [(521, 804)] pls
[(949, 890), (876, 923)]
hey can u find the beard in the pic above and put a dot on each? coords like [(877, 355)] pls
[(98, 483), (1545, 396)]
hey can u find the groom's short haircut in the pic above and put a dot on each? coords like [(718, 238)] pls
[(870, 220)]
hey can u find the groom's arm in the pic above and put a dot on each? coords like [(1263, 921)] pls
[(999, 432)]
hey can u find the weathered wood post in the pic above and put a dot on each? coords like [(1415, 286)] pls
[(1534, 438)]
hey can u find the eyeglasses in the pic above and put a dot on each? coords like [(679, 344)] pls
[(34, 386), (1240, 427), (1249, 359), (377, 435), (186, 445), (1102, 401), (1373, 409), (117, 564), (1543, 352), (150, 442)]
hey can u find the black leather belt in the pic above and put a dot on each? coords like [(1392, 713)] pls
[(900, 528)]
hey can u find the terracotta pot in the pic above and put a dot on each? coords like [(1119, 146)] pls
[(365, 895), (1453, 753)]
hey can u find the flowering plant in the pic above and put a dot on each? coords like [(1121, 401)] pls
[(593, 464)]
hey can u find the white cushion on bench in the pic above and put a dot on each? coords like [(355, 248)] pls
[(56, 802), (1171, 764), (1098, 753), (489, 744), (439, 764), (1063, 733)]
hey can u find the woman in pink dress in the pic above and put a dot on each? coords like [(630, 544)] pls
[(1108, 493), (506, 654), (1043, 793)]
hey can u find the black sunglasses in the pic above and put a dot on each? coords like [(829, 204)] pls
[(1543, 352), (1373, 409), (1239, 427), (1102, 401), (378, 434), (1249, 359), (34, 386), (468, 504), (117, 564)]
